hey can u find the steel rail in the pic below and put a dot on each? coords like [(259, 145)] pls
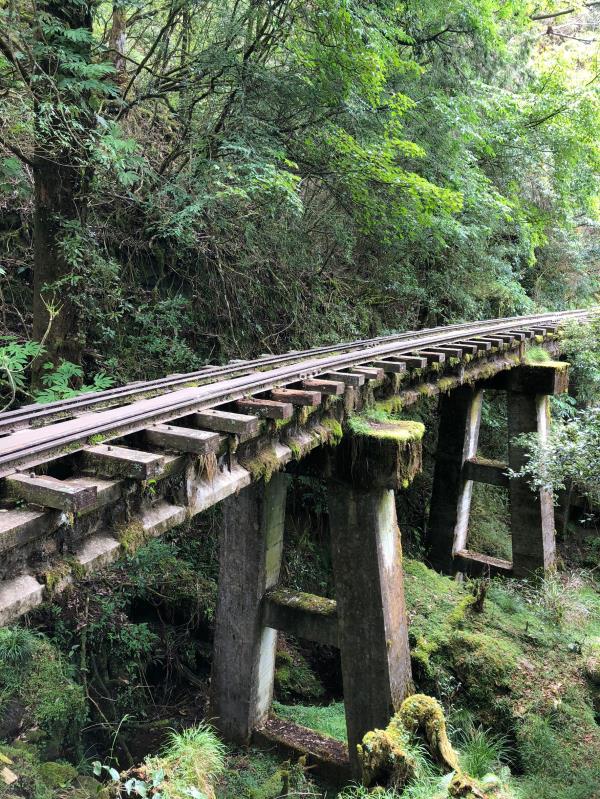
[(30, 446), (11, 421)]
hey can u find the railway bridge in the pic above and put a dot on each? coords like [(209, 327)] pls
[(84, 480)]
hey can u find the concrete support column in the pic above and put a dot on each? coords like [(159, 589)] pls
[(531, 512), (244, 650), (369, 581), (460, 417)]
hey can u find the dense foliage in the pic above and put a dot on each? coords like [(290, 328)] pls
[(183, 180)]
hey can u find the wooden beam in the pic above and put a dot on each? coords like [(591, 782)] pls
[(183, 439), (410, 361), (482, 470), (51, 493), (346, 377), (508, 338), (115, 461), (370, 372), (521, 335), (296, 396), (432, 356), (266, 408), (333, 387), (302, 615), (218, 421), (450, 351), (391, 366), (482, 346), (466, 347), (495, 341), (474, 564)]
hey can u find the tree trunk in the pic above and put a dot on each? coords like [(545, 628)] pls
[(61, 181)]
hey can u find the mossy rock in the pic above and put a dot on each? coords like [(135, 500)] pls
[(57, 774)]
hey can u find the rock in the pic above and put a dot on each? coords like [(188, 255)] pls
[(7, 776)]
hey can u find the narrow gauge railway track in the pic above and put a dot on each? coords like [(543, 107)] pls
[(37, 414), (219, 385)]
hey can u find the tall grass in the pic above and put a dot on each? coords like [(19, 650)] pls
[(190, 762), (482, 752)]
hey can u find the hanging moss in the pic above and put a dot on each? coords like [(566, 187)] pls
[(262, 466), (334, 430)]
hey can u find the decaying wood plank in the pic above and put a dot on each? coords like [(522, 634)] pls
[(48, 492), (448, 350), (410, 361), (482, 346), (227, 422), (115, 461), (432, 356), (296, 396), (266, 408), (370, 372), (345, 377), (183, 439), (391, 366), (333, 387)]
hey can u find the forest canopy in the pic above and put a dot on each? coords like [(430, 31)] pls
[(189, 180)]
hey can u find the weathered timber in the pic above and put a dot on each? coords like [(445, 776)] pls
[(450, 352), (531, 512), (244, 649), (117, 461), (433, 356), (460, 416), (391, 366), (467, 348), (227, 422), (474, 564), (525, 335), (370, 372), (482, 346), (306, 616), (49, 492), (410, 361), (108, 491), (485, 470), (183, 439), (321, 754), (369, 587), (334, 388), (347, 378), (266, 408), (495, 341), (296, 396)]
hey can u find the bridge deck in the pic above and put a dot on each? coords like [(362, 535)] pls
[(131, 462)]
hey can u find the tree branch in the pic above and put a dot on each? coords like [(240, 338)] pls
[(553, 15)]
